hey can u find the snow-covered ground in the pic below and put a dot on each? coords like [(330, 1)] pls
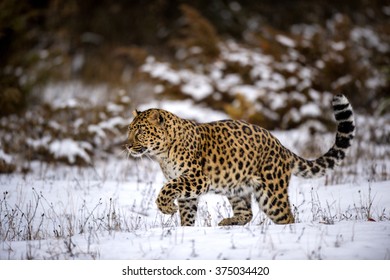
[(108, 212)]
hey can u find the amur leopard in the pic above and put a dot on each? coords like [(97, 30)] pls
[(229, 157)]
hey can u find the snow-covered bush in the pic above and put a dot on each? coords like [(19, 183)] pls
[(6, 165), (275, 79), (72, 130)]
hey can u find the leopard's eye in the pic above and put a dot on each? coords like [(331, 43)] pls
[(139, 131)]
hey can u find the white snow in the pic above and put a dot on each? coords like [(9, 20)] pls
[(116, 218), (197, 88), (227, 82), (286, 41), (5, 157), (367, 35), (310, 109), (70, 149), (290, 66), (341, 81), (338, 46), (250, 92), (233, 52), (114, 122), (277, 100), (186, 109), (193, 84), (69, 94), (375, 82), (160, 70), (38, 143), (114, 108)]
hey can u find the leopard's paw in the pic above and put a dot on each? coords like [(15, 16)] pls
[(167, 208)]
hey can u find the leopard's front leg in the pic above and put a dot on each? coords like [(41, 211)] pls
[(184, 187), (166, 198)]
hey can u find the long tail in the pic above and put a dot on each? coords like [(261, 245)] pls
[(345, 133)]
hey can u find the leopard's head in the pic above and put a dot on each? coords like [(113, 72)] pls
[(147, 133)]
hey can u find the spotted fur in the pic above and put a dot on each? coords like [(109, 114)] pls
[(231, 158)]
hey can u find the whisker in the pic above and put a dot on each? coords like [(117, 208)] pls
[(148, 156), (126, 154)]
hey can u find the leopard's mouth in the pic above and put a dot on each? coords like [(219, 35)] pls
[(137, 152)]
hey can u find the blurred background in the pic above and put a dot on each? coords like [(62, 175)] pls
[(72, 71)]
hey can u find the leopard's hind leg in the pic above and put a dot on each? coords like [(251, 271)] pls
[(275, 205), (242, 211), (272, 195)]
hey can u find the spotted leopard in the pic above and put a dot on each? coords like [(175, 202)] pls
[(231, 158)]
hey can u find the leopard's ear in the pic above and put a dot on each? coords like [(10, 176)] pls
[(135, 113), (156, 117)]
